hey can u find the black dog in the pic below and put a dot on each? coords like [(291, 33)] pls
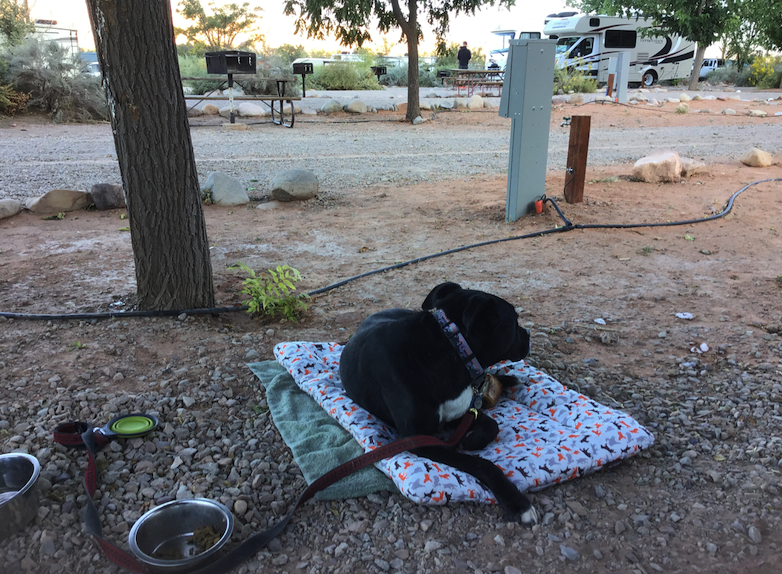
[(402, 367)]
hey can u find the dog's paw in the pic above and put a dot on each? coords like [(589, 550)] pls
[(481, 433), (529, 518), (523, 512)]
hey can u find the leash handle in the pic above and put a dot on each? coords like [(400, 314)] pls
[(81, 435)]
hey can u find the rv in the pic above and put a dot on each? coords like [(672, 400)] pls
[(498, 57), (589, 42)]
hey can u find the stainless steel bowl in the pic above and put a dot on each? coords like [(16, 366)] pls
[(18, 492), (163, 537)]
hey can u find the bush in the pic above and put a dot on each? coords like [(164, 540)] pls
[(573, 80), (11, 101), (55, 82), (397, 76), (195, 67), (728, 75), (765, 72), (344, 76)]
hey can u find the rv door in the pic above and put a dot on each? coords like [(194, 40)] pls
[(582, 52)]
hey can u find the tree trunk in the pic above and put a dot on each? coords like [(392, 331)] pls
[(413, 83), (134, 40), (696, 67)]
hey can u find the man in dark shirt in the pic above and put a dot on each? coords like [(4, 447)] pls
[(464, 56)]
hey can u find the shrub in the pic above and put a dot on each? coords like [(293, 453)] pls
[(573, 80), (271, 292), (728, 75), (195, 67), (11, 101), (762, 72), (344, 76), (55, 82), (397, 76)]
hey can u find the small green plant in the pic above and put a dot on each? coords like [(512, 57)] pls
[(77, 346), (645, 250), (271, 292), (60, 215), (573, 80)]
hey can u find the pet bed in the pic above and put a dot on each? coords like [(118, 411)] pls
[(548, 433)]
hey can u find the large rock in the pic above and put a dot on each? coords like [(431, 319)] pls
[(250, 110), (222, 189), (756, 158), (294, 185), (210, 110), (664, 166), (194, 113), (9, 208), (576, 99), (475, 103), (758, 113), (59, 200), (356, 107), (447, 104), (691, 167), (331, 106), (107, 196)]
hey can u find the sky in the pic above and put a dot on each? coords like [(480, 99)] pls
[(279, 29)]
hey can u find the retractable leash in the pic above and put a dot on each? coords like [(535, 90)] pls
[(82, 435)]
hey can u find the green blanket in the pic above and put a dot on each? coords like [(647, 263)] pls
[(318, 442)]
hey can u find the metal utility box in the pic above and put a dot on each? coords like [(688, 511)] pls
[(526, 99), (230, 62), (379, 71), (302, 69)]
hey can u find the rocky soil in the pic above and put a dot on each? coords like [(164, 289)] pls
[(704, 498)]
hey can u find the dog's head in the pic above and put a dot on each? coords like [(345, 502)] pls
[(490, 324)]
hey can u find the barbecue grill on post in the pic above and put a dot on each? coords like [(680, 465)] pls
[(302, 69), (379, 71), (230, 62)]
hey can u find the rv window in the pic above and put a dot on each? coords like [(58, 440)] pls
[(582, 48), (621, 38), (564, 44)]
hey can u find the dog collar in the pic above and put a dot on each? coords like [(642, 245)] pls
[(455, 337)]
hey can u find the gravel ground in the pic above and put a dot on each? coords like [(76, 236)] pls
[(371, 150), (704, 498)]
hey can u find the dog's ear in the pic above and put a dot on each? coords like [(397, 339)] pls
[(438, 293), (481, 316)]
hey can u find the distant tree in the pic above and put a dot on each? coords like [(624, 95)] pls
[(288, 53), (349, 21), (769, 18), (15, 22), (701, 21), (134, 40), (218, 30)]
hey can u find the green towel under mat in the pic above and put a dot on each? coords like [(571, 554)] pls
[(317, 441)]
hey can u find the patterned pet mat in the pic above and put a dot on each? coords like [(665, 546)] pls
[(548, 433)]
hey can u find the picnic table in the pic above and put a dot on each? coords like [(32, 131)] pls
[(468, 80), (269, 101)]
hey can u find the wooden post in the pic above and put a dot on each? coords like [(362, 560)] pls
[(610, 85), (578, 148)]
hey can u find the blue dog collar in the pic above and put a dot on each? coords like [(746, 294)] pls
[(455, 337)]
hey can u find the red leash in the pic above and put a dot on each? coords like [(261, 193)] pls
[(81, 435)]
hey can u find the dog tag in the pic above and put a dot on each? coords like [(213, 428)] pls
[(490, 391)]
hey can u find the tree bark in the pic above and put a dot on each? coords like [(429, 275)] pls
[(410, 30), (696, 67), (136, 48)]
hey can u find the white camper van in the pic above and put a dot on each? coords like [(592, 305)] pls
[(499, 56), (588, 42)]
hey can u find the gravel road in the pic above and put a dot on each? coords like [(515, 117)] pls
[(365, 152)]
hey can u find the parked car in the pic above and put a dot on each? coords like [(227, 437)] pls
[(709, 65)]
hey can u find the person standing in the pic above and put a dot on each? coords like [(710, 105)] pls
[(464, 56)]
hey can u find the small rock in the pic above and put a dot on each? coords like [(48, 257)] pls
[(569, 553), (755, 535)]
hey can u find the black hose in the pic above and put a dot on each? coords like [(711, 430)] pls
[(569, 226)]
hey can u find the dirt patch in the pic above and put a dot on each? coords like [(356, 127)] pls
[(727, 273)]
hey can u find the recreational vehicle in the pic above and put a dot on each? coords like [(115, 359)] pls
[(497, 57), (589, 42)]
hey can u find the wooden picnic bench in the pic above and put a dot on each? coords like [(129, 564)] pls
[(469, 80), (268, 101)]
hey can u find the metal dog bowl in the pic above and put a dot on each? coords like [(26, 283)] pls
[(167, 539), (18, 492)]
